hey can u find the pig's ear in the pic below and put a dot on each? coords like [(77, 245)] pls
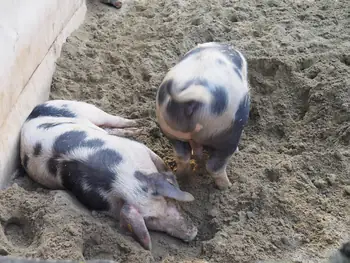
[(165, 188), (164, 185), (132, 221)]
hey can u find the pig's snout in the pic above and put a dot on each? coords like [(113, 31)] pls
[(190, 234), (179, 225), (187, 234), (173, 224)]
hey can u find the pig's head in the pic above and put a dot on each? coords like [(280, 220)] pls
[(173, 222), (164, 212), (180, 105), (185, 107)]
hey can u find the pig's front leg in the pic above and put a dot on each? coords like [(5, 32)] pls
[(132, 222), (226, 145), (101, 118), (182, 151), (216, 167), (113, 121)]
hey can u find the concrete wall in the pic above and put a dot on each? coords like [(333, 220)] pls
[(31, 37)]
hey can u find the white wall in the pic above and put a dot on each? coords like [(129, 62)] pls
[(31, 36)]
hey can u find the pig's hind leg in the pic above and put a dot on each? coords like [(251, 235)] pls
[(99, 117), (123, 132), (216, 167), (114, 125)]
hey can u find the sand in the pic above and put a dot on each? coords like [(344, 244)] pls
[(291, 183)]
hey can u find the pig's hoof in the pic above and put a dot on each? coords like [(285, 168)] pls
[(222, 183), (118, 5), (136, 123)]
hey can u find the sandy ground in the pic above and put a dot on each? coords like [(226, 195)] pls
[(291, 183)]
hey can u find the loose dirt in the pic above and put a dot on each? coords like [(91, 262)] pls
[(291, 183)]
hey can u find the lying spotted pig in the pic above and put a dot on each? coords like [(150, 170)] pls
[(204, 102), (64, 147)]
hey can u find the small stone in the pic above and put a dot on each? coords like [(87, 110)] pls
[(97, 239), (347, 189), (250, 214), (320, 183), (338, 155), (331, 178), (214, 212), (288, 166), (72, 230), (94, 77)]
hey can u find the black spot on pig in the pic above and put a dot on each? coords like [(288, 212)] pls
[(164, 90), (147, 181), (220, 101), (156, 184), (217, 161), (104, 159), (218, 105), (71, 140), (224, 144), (25, 161), (220, 61), (68, 141), (232, 55), (86, 183), (87, 179), (37, 149), (43, 110), (345, 249), (236, 59), (181, 114), (47, 126), (93, 143), (52, 165), (242, 113)]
